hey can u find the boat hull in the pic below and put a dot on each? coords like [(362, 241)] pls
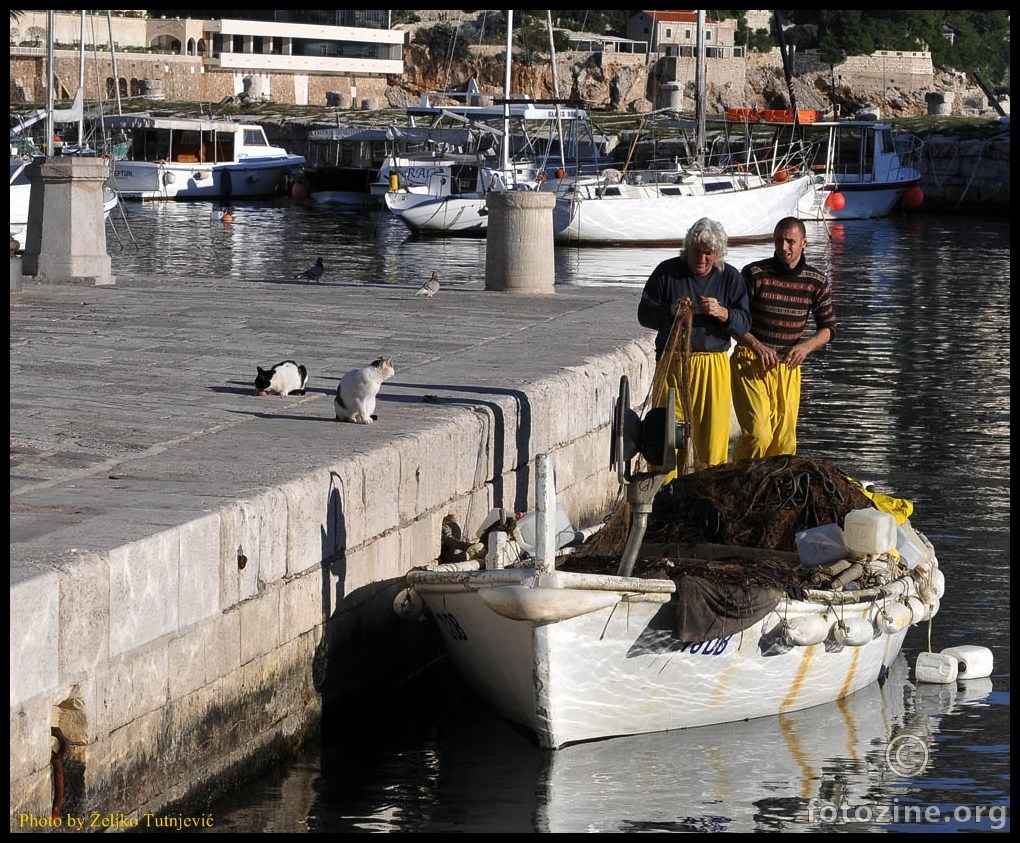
[(591, 657), (248, 179), (648, 215), (860, 201), (445, 216)]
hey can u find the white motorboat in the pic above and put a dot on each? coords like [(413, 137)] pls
[(862, 170), (672, 635), (197, 158)]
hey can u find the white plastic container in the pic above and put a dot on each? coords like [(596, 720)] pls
[(909, 545), (936, 668), (821, 545), (869, 531), (973, 662), (526, 526)]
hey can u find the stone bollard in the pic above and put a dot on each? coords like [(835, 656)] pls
[(519, 242), (66, 237), (939, 103), (671, 95), (15, 267)]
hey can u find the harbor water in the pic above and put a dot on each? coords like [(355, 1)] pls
[(912, 396)]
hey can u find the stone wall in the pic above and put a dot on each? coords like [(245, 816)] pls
[(970, 175), (180, 78)]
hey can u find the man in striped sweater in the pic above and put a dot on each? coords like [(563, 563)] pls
[(784, 291)]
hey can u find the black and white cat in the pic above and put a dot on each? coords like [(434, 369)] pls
[(356, 392), (286, 378)]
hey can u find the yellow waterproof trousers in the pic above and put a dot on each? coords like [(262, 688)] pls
[(766, 404), (710, 404)]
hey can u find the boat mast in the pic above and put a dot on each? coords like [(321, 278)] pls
[(113, 59), (505, 146), (556, 88), (49, 83), (81, 82), (700, 88)]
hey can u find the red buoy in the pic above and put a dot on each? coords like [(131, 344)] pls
[(836, 201), (913, 198), (780, 176), (298, 191)]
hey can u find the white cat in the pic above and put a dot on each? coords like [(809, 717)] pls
[(356, 392), (286, 378)]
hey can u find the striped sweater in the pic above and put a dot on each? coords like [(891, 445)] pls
[(783, 299)]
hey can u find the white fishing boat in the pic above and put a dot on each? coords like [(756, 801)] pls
[(352, 166), (197, 158), (862, 170), (667, 635), (518, 144), (540, 145)]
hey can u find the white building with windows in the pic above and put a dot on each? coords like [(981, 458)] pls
[(674, 33)]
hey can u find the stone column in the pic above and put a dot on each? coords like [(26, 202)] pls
[(66, 238), (15, 267), (519, 242)]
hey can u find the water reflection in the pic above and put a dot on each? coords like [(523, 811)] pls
[(468, 771)]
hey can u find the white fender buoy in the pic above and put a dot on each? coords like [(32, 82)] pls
[(931, 608), (938, 582), (806, 630), (917, 609), (853, 632), (936, 668), (974, 662), (893, 617)]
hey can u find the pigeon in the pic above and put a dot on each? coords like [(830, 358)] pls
[(430, 287), (314, 272)]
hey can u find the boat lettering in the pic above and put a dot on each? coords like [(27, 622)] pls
[(418, 174), (123, 174), (711, 647), (453, 629)]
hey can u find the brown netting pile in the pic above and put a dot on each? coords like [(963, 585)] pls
[(760, 503), (754, 503)]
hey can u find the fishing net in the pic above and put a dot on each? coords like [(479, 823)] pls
[(760, 503), (756, 503)]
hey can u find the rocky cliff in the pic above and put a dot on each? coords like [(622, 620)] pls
[(627, 84)]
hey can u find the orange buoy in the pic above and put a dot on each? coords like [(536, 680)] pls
[(913, 198), (836, 201), (228, 217), (559, 173), (780, 176)]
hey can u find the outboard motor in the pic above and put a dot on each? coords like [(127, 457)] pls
[(656, 439)]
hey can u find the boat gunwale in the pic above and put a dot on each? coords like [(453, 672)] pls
[(471, 576)]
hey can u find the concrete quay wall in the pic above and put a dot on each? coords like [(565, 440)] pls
[(197, 573)]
